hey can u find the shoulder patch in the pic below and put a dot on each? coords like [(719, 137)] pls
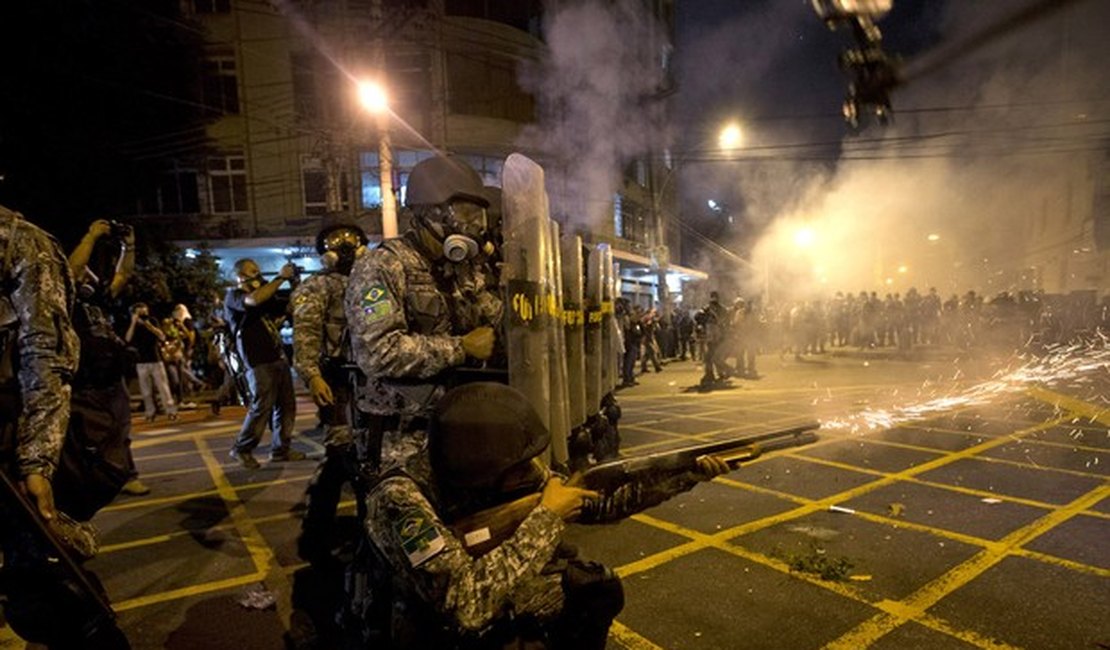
[(376, 302), (420, 539)]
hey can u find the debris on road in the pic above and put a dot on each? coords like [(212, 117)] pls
[(842, 510), (258, 597)]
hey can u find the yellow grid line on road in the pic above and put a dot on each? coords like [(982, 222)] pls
[(161, 539), (1091, 412), (700, 540), (841, 589), (1006, 461), (914, 605), (629, 639), (260, 552), (178, 498)]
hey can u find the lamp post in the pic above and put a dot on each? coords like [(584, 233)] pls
[(373, 98)]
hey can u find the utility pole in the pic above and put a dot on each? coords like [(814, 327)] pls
[(385, 149)]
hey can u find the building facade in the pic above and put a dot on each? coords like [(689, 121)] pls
[(289, 142)]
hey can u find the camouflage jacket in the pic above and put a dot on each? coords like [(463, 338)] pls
[(36, 301), (467, 594), (401, 329), (319, 323)]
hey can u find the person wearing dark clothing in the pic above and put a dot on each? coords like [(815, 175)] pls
[(253, 314), (101, 404), (146, 337), (633, 335), (716, 333)]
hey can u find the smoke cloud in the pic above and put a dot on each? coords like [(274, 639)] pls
[(988, 165), (595, 91)]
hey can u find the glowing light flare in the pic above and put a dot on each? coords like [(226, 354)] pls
[(805, 237), (933, 237), (903, 269), (372, 97), (731, 137)]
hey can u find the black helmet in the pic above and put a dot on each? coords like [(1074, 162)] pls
[(437, 180), (480, 431)]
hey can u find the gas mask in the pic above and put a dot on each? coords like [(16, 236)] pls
[(461, 228), (341, 249)]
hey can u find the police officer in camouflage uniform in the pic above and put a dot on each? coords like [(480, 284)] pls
[(483, 447), (321, 351), (483, 443), (407, 323), (40, 356)]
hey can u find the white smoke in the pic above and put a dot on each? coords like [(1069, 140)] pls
[(596, 92), (988, 151)]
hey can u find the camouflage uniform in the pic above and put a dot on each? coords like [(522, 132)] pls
[(38, 296), (402, 322), (320, 349), (41, 601), (319, 345), (461, 596)]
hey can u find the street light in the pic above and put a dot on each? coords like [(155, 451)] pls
[(731, 137), (375, 100)]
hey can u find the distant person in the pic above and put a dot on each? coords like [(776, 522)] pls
[(146, 337)]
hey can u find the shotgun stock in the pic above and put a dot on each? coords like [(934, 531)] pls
[(627, 485), (62, 539)]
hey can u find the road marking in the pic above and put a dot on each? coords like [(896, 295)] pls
[(915, 605), (185, 592), (1090, 411), (142, 503), (630, 639), (260, 552), (161, 539), (158, 432)]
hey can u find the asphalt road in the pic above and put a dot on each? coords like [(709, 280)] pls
[(946, 504)]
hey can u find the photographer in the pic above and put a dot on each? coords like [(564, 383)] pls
[(101, 405), (254, 316), (145, 336)]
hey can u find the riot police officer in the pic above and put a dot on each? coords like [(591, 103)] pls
[(46, 601), (407, 330), (321, 352)]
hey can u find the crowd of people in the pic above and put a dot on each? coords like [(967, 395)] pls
[(728, 339)]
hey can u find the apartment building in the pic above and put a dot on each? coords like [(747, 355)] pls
[(289, 141)]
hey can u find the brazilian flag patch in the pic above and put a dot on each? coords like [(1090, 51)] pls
[(376, 303), (420, 539)]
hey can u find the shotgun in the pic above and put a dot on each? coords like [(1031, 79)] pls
[(627, 485)]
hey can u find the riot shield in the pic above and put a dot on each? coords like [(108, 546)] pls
[(573, 328), (525, 279), (594, 356), (560, 415), (610, 339)]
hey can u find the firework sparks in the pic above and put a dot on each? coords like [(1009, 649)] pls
[(1062, 366)]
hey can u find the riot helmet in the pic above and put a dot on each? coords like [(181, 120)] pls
[(339, 245), (481, 431), (449, 202)]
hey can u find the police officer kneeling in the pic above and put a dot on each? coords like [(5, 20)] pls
[(482, 450)]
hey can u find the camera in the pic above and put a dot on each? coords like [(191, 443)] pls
[(119, 231)]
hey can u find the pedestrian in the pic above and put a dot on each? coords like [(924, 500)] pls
[(254, 313), (400, 309), (40, 349), (146, 337), (321, 353)]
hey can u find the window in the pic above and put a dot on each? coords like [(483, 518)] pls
[(306, 99), (220, 86), (370, 174), (314, 181), (178, 192), (227, 184), (488, 167), (212, 6)]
